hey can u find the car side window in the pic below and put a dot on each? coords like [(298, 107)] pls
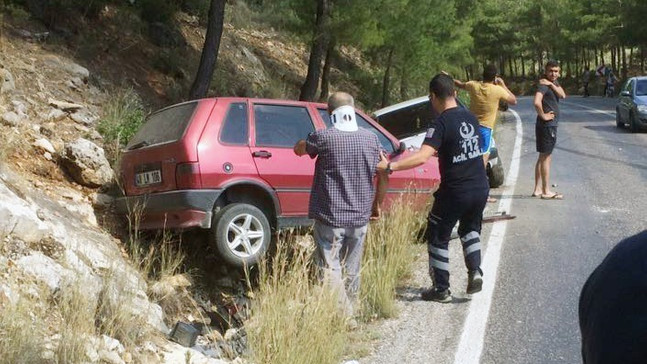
[(281, 125), (235, 129), (362, 123), (628, 85)]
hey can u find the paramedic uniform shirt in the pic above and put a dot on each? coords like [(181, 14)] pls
[(456, 138)]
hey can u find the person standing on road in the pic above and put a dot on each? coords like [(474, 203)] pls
[(463, 190), (547, 106), (343, 196), (485, 97), (613, 306), (586, 77)]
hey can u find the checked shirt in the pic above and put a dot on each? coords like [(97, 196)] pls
[(343, 190)]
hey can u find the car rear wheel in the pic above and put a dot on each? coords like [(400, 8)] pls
[(241, 234), (619, 122)]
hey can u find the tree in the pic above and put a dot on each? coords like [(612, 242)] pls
[(318, 47), (209, 56)]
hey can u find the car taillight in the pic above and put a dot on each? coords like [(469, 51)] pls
[(187, 175)]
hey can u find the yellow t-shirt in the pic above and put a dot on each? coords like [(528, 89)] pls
[(484, 101)]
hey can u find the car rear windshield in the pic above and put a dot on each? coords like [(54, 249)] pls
[(641, 88), (167, 125)]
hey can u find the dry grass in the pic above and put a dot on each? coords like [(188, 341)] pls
[(388, 254), (77, 324), (20, 340), (295, 319)]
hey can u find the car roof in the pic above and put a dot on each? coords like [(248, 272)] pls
[(640, 78), (401, 105)]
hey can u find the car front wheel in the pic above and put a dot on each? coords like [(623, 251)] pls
[(619, 122), (633, 123), (241, 234)]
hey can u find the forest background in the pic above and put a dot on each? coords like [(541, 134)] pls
[(383, 51)]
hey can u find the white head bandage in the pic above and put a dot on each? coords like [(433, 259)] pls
[(343, 118)]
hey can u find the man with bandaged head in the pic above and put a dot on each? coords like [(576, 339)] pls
[(343, 196)]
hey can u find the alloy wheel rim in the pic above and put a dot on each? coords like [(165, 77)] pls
[(245, 235)]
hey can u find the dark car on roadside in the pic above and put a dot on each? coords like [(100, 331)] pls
[(227, 165), (631, 108), (409, 121)]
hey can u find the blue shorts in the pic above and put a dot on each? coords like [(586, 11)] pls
[(486, 139)]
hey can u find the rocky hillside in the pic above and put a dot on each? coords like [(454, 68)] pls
[(69, 290)]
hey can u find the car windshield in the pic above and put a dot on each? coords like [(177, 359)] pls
[(641, 88)]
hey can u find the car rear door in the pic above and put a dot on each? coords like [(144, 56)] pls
[(276, 129)]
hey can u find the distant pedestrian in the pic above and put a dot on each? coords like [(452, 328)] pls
[(610, 83), (343, 196), (463, 188), (547, 106), (484, 103), (613, 306), (586, 77)]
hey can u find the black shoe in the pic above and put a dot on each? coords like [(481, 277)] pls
[(474, 281), (432, 294)]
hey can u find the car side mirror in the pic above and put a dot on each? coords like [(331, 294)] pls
[(401, 148), (625, 93)]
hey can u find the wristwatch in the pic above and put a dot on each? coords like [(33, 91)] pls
[(388, 168)]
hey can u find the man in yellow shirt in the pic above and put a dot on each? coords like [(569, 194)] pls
[(484, 103)]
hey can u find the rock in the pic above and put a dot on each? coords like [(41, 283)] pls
[(44, 269), (56, 115), (110, 357), (87, 164), (48, 156), (102, 200), (19, 108), (10, 118), (72, 68), (7, 82), (83, 118), (18, 219), (45, 145), (65, 106)]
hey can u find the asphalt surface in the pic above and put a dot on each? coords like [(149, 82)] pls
[(547, 252)]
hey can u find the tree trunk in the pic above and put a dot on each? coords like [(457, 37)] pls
[(317, 49), (642, 59), (209, 56), (523, 67), (404, 83), (387, 80), (624, 63), (595, 54), (325, 75), (510, 66)]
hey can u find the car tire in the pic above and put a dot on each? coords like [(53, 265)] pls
[(495, 175), (241, 234), (619, 122), (633, 123)]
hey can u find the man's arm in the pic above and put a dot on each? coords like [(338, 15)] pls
[(511, 99), (300, 148), (539, 97), (558, 89), (457, 83), (380, 193), (421, 156)]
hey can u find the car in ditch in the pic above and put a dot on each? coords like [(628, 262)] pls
[(631, 108), (409, 121), (226, 165)]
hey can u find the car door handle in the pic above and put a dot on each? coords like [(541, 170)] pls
[(262, 154)]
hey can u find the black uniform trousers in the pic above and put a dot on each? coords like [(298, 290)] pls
[(466, 208)]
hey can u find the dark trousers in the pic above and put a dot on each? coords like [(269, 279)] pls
[(466, 208), (586, 89)]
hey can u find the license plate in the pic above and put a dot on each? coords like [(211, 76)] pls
[(148, 178)]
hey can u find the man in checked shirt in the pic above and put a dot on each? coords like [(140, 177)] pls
[(343, 196)]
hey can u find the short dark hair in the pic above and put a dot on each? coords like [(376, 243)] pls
[(489, 73), (442, 86), (551, 63)]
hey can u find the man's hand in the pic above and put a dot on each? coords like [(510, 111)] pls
[(548, 116), (376, 212), (300, 148), (545, 82), (382, 164)]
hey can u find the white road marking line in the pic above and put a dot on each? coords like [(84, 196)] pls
[(598, 111), (473, 335)]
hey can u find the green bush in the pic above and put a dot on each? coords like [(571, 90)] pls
[(124, 114), (158, 11)]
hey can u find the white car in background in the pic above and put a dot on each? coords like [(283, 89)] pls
[(409, 120)]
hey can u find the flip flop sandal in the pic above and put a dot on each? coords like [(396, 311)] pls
[(556, 196)]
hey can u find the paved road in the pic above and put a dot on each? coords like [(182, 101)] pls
[(553, 245), (543, 257)]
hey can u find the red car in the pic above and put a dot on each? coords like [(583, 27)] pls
[(227, 165)]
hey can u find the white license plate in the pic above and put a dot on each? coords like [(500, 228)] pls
[(148, 178)]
